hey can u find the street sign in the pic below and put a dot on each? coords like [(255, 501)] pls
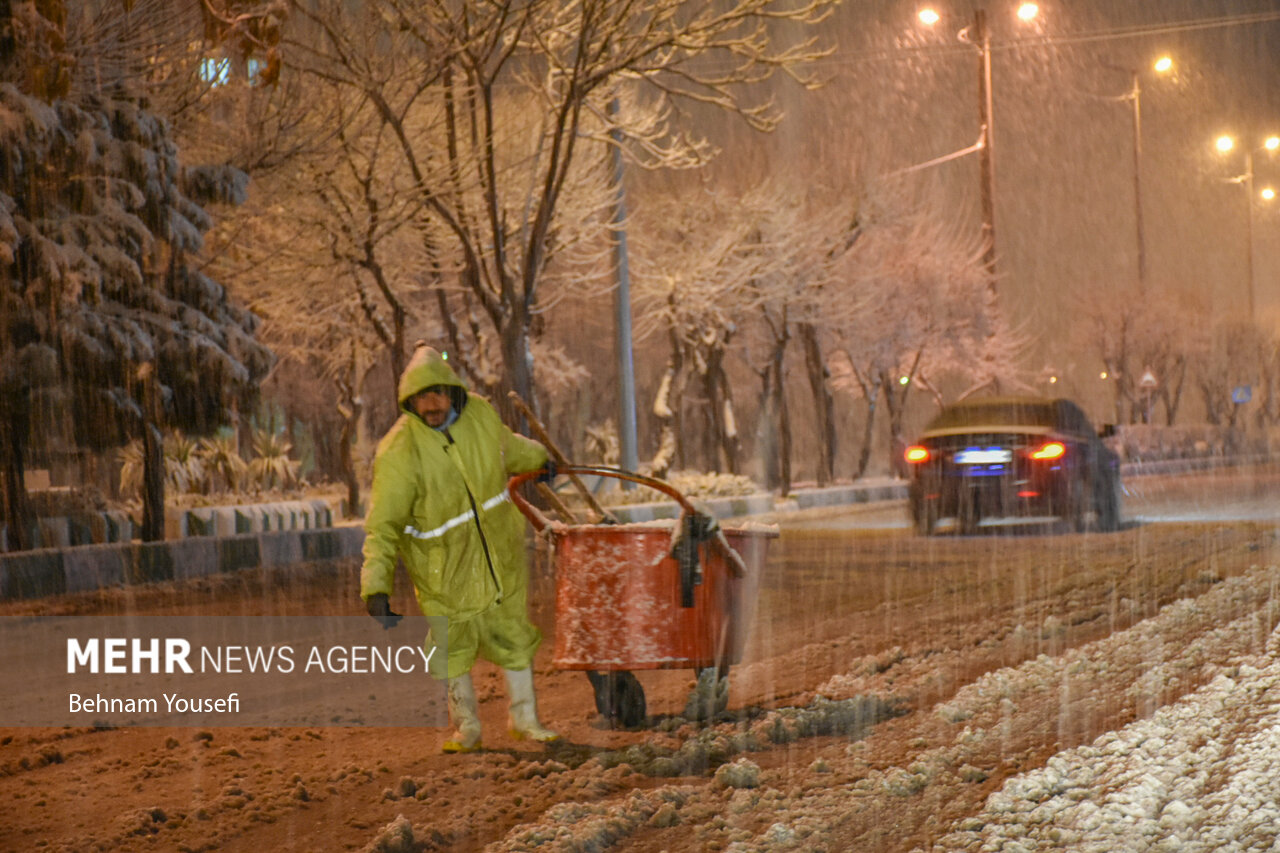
[(1148, 380), (1242, 393)]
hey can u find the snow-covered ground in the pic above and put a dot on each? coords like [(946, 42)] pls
[(1199, 774), (1032, 691)]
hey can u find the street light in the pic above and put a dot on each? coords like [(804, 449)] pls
[(978, 36), (624, 349), (1163, 65), (1225, 144)]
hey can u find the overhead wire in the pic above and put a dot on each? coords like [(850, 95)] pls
[(936, 48)]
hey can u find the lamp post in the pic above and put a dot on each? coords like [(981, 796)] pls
[(624, 350), (979, 36), (1225, 144), (1162, 65), (987, 156)]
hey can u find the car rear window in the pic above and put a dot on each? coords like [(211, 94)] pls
[(995, 414)]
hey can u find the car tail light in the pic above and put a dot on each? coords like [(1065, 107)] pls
[(916, 454), (1049, 451)]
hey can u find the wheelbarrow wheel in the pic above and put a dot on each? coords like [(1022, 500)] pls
[(710, 694), (619, 697)]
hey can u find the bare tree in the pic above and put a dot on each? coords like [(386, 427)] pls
[(493, 106), (803, 294), (698, 266), (1133, 335), (928, 313), (107, 312), (1237, 351), (1269, 379)]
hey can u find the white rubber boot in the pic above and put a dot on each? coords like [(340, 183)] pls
[(524, 708), (464, 711)]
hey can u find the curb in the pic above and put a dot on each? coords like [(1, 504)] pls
[(1198, 463), (54, 571)]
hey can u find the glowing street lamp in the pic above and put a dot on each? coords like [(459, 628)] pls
[(978, 36), (1225, 144)]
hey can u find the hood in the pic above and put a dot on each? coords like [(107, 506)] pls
[(428, 367)]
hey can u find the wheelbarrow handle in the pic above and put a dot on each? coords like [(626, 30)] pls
[(536, 518), (540, 521), (630, 476)]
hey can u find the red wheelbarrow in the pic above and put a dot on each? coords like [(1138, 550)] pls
[(651, 596)]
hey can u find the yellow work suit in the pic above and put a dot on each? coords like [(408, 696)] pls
[(439, 501)]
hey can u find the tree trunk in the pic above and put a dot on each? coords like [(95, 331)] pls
[(398, 356), (777, 423), (724, 435), (152, 484), (152, 459), (784, 435), (517, 362), (1173, 392), (674, 399), (1267, 407), (896, 405), (871, 393), (347, 452), (823, 406), (350, 407), (15, 423), (1212, 412), (767, 446)]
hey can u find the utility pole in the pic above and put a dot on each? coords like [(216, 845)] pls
[(1136, 95), (623, 345), (1248, 196), (982, 40)]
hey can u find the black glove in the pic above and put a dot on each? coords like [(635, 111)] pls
[(379, 607), (548, 472)]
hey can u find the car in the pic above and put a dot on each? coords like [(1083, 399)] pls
[(1019, 457)]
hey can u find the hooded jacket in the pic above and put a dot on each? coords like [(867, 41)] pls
[(439, 499)]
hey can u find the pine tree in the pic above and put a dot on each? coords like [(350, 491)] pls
[(111, 331)]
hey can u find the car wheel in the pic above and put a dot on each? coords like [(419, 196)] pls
[(925, 518), (1075, 506), (967, 517), (1108, 505)]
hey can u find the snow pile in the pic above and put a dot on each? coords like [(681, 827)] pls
[(596, 826), (1200, 775)]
